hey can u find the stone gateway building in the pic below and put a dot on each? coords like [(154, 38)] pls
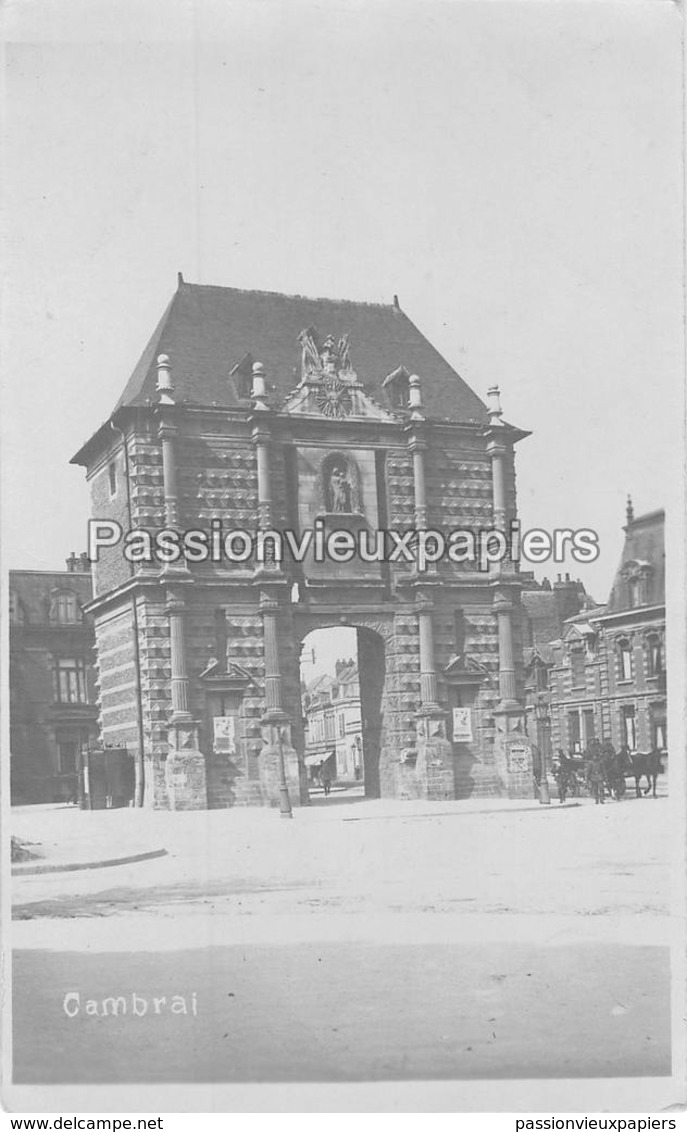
[(256, 412)]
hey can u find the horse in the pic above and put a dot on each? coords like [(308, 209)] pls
[(564, 773), (646, 766), (614, 771)]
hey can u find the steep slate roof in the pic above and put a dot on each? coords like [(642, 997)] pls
[(545, 652), (542, 617), (207, 330), (644, 543), (587, 614)]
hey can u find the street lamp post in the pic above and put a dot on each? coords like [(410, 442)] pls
[(285, 810), (542, 719)]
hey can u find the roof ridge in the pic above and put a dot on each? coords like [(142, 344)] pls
[(647, 515), (287, 295), (67, 573)]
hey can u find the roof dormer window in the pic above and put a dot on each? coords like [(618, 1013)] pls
[(397, 386), (242, 374), (64, 608), (636, 575)]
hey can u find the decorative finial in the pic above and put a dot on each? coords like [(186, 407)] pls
[(629, 510), (415, 398), (259, 394), (164, 380), (494, 405)]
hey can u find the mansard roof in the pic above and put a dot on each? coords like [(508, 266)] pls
[(207, 330), (35, 589), (543, 652), (644, 554), (543, 619)]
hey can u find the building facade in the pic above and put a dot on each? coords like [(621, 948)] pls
[(333, 722), (53, 711), (256, 411), (604, 677)]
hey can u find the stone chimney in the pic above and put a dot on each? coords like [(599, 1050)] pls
[(164, 380), (629, 511), (259, 394), (494, 405)]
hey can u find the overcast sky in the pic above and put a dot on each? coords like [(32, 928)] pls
[(512, 171)]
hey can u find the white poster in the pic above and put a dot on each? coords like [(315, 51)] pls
[(225, 734), (462, 725), (519, 758)]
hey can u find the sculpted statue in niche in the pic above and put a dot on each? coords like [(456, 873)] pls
[(339, 479), (339, 490)]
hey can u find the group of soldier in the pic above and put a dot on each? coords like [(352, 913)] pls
[(602, 769)]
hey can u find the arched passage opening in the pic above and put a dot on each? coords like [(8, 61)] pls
[(342, 671)]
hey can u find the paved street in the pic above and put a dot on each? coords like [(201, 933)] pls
[(364, 941), (341, 1011)]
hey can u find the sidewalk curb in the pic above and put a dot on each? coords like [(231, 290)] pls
[(535, 808), (33, 870)]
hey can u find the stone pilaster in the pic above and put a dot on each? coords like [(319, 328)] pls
[(167, 433), (275, 724), (434, 768), (428, 674), (185, 770), (503, 609), (417, 443), (261, 439), (417, 446), (512, 747), (497, 450)]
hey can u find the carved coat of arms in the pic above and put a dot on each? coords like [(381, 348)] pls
[(327, 367)]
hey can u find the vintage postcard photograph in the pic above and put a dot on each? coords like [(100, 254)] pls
[(343, 570)]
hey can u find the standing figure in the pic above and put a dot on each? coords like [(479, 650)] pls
[(564, 773), (326, 777), (536, 770), (613, 771), (339, 490), (595, 772)]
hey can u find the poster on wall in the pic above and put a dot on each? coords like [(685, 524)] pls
[(225, 734), (518, 758), (462, 725)]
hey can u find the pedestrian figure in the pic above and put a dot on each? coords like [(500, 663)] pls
[(326, 777), (563, 773), (595, 772), (613, 771), (536, 770)]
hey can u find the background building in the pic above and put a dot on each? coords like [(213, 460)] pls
[(546, 607), (604, 676), (333, 722), (53, 711)]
